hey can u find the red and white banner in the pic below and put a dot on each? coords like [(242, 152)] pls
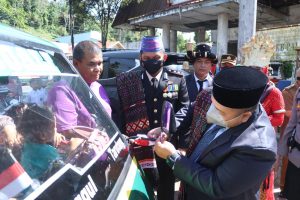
[(13, 180)]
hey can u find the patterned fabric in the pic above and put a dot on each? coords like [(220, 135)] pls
[(267, 188), (132, 98), (199, 124), (202, 104)]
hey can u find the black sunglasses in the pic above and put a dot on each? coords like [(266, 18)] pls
[(298, 78)]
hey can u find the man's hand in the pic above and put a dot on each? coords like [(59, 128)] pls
[(154, 133), (74, 143), (58, 138), (164, 149), (182, 151)]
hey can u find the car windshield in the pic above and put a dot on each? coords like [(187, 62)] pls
[(59, 123)]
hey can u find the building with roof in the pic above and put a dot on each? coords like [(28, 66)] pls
[(222, 16), (64, 42)]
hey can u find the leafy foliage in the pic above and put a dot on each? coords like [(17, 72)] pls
[(50, 18), (104, 12), (181, 42), (287, 69), (40, 17)]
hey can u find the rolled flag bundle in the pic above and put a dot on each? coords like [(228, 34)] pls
[(13, 178), (166, 116)]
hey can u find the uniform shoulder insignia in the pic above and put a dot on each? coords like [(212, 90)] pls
[(175, 72)]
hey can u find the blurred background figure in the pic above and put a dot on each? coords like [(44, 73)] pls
[(227, 61), (9, 137), (38, 93), (288, 95), (10, 92), (289, 146), (15, 88), (257, 53)]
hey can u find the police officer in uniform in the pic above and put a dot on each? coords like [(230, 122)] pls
[(142, 95)]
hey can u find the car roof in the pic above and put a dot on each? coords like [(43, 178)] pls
[(134, 54), (21, 38), (122, 54)]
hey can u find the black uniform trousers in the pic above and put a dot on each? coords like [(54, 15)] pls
[(292, 182), (165, 181)]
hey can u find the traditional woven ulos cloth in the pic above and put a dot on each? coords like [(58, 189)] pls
[(133, 104), (199, 125)]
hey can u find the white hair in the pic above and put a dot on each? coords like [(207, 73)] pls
[(5, 121)]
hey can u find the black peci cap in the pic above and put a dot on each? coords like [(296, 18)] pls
[(239, 87)]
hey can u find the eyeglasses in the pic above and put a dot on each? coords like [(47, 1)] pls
[(298, 78)]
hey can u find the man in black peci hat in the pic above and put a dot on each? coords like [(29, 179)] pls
[(238, 148), (202, 59)]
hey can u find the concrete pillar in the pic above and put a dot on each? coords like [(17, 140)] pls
[(152, 31), (247, 22), (166, 36), (222, 35), (173, 41), (200, 35), (297, 59)]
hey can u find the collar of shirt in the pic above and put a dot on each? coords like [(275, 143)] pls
[(157, 76), (207, 83)]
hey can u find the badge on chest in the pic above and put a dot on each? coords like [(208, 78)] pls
[(171, 90)]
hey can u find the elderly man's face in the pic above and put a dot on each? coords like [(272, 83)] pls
[(90, 67), (202, 66)]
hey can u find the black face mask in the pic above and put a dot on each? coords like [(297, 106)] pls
[(152, 66)]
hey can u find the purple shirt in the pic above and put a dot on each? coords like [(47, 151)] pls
[(101, 95), (69, 110)]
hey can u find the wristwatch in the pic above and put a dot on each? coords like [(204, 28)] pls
[(171, 159)]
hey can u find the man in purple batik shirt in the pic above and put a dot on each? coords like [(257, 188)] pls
[(87, 58), (69, 110)]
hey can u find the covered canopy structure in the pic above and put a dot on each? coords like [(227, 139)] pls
[(202, 15)]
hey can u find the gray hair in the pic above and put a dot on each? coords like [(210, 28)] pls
[(85, 47), (5, 121)]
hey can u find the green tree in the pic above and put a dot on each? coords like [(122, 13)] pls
[(181, 42), (104, 12), (287, 69)]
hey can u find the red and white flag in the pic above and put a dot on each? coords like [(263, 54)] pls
[(13, 178)]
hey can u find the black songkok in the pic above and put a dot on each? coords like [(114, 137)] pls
[(239, 87)]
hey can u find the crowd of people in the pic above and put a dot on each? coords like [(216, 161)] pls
[(221, 140)]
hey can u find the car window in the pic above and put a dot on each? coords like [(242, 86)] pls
[(60, 127), (119, 65)]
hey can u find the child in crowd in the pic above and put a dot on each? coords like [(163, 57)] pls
[(37, 126), (38, 93)]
